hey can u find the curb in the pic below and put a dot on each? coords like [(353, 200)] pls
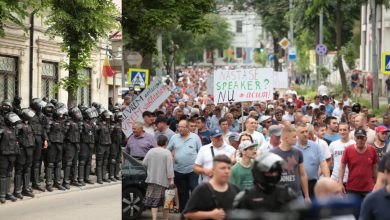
[(39, 194)]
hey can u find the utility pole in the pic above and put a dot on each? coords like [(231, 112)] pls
[(320, 58), (375, 103)]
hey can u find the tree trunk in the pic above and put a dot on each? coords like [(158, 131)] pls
[(72, 99), (276, 51), (147, 62), (338, 44)]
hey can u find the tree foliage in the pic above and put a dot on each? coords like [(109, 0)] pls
[(144, 20), (80, 24)]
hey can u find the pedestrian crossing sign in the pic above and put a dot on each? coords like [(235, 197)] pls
[(385, 62), (138, 78)]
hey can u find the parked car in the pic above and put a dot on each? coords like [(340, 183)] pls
[(133, 187)]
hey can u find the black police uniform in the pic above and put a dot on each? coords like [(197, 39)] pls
[(24, 161), (103, 147), (56, 133), (38, 124), (72, 147), (87, 146), (115, 151), (9, 149)]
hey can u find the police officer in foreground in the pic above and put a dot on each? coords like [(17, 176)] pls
[(267, 194), (24, 160), (38, 124), (9, 150)]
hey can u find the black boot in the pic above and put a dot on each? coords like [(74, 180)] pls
[(99, 173), (66, 177), (74, 181), (81, 174), (104, 172), (3, 189), (117, 171), (112, 172), (9, 195), (18, 186), (27, 191), (49, 177), (36, 184), (87, 172), (57, 178)]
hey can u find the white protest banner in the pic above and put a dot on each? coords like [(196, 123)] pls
[(280, 80), (243, 85), (149, 100)]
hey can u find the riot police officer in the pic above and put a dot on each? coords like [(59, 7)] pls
[(56, 135), (24, 160), (6, 107), (87, 146), (115, 151), (16, 104), (48, 112), (103, 146), (72, 147), (267, 194), (38, 124), (9, 149)]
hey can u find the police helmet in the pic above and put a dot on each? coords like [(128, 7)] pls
[(75, 114), (48, 109), (90, 113), (37, 104), (356, 107), (11, 119), (60, 113), (118, 116), (106, 115), (27, 114), (6, 106), (17, 100), (263, 166)]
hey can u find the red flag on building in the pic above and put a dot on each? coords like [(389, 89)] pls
[(107, 71)]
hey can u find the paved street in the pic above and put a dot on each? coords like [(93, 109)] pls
[(92, 203), (148, 215)]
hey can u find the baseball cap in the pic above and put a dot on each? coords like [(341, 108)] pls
[(381, 129), (234, 137), (264, 118), (216, 132), (246, 144), (270, 106), (275, 130), (360, 133)]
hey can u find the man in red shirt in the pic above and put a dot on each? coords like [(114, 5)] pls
[(362, 162)]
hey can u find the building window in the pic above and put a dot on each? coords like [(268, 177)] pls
[(49, 80), (8, 77), (238, 52), (84, 93), (238, 26)]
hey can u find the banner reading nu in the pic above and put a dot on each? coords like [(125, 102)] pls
[(243, 85)]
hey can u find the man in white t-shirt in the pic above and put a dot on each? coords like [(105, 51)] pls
[(204, 160), (251, 125), (337, 149), (316, 103), (322, 89)]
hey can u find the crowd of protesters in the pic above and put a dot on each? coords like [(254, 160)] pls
[(324, 138)]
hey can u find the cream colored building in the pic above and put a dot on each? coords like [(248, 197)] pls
[(46, 64)]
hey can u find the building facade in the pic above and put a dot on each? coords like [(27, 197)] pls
[(383, 44), (45, 60)]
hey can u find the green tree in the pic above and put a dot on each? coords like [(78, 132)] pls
[(273, 19), (218, 37), (145, 20), (81, 24)]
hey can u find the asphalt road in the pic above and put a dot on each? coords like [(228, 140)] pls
[(94, 204)]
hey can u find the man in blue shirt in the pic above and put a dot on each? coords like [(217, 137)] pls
[(184, 147), (376, 205), (312, 157), (332, 130)]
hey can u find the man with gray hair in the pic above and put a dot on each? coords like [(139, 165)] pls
[(140, 142)]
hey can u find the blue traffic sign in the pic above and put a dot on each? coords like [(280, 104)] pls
[(321, 49), (292, 53), (386, 62), (138, 77)]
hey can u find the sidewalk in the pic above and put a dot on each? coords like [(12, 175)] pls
[(367, 96)]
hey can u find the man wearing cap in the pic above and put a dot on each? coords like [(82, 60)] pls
[(234, 140), (380, 139), (241, 174), (162, 128), (204, 160), (274, 133), (362, 162)]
